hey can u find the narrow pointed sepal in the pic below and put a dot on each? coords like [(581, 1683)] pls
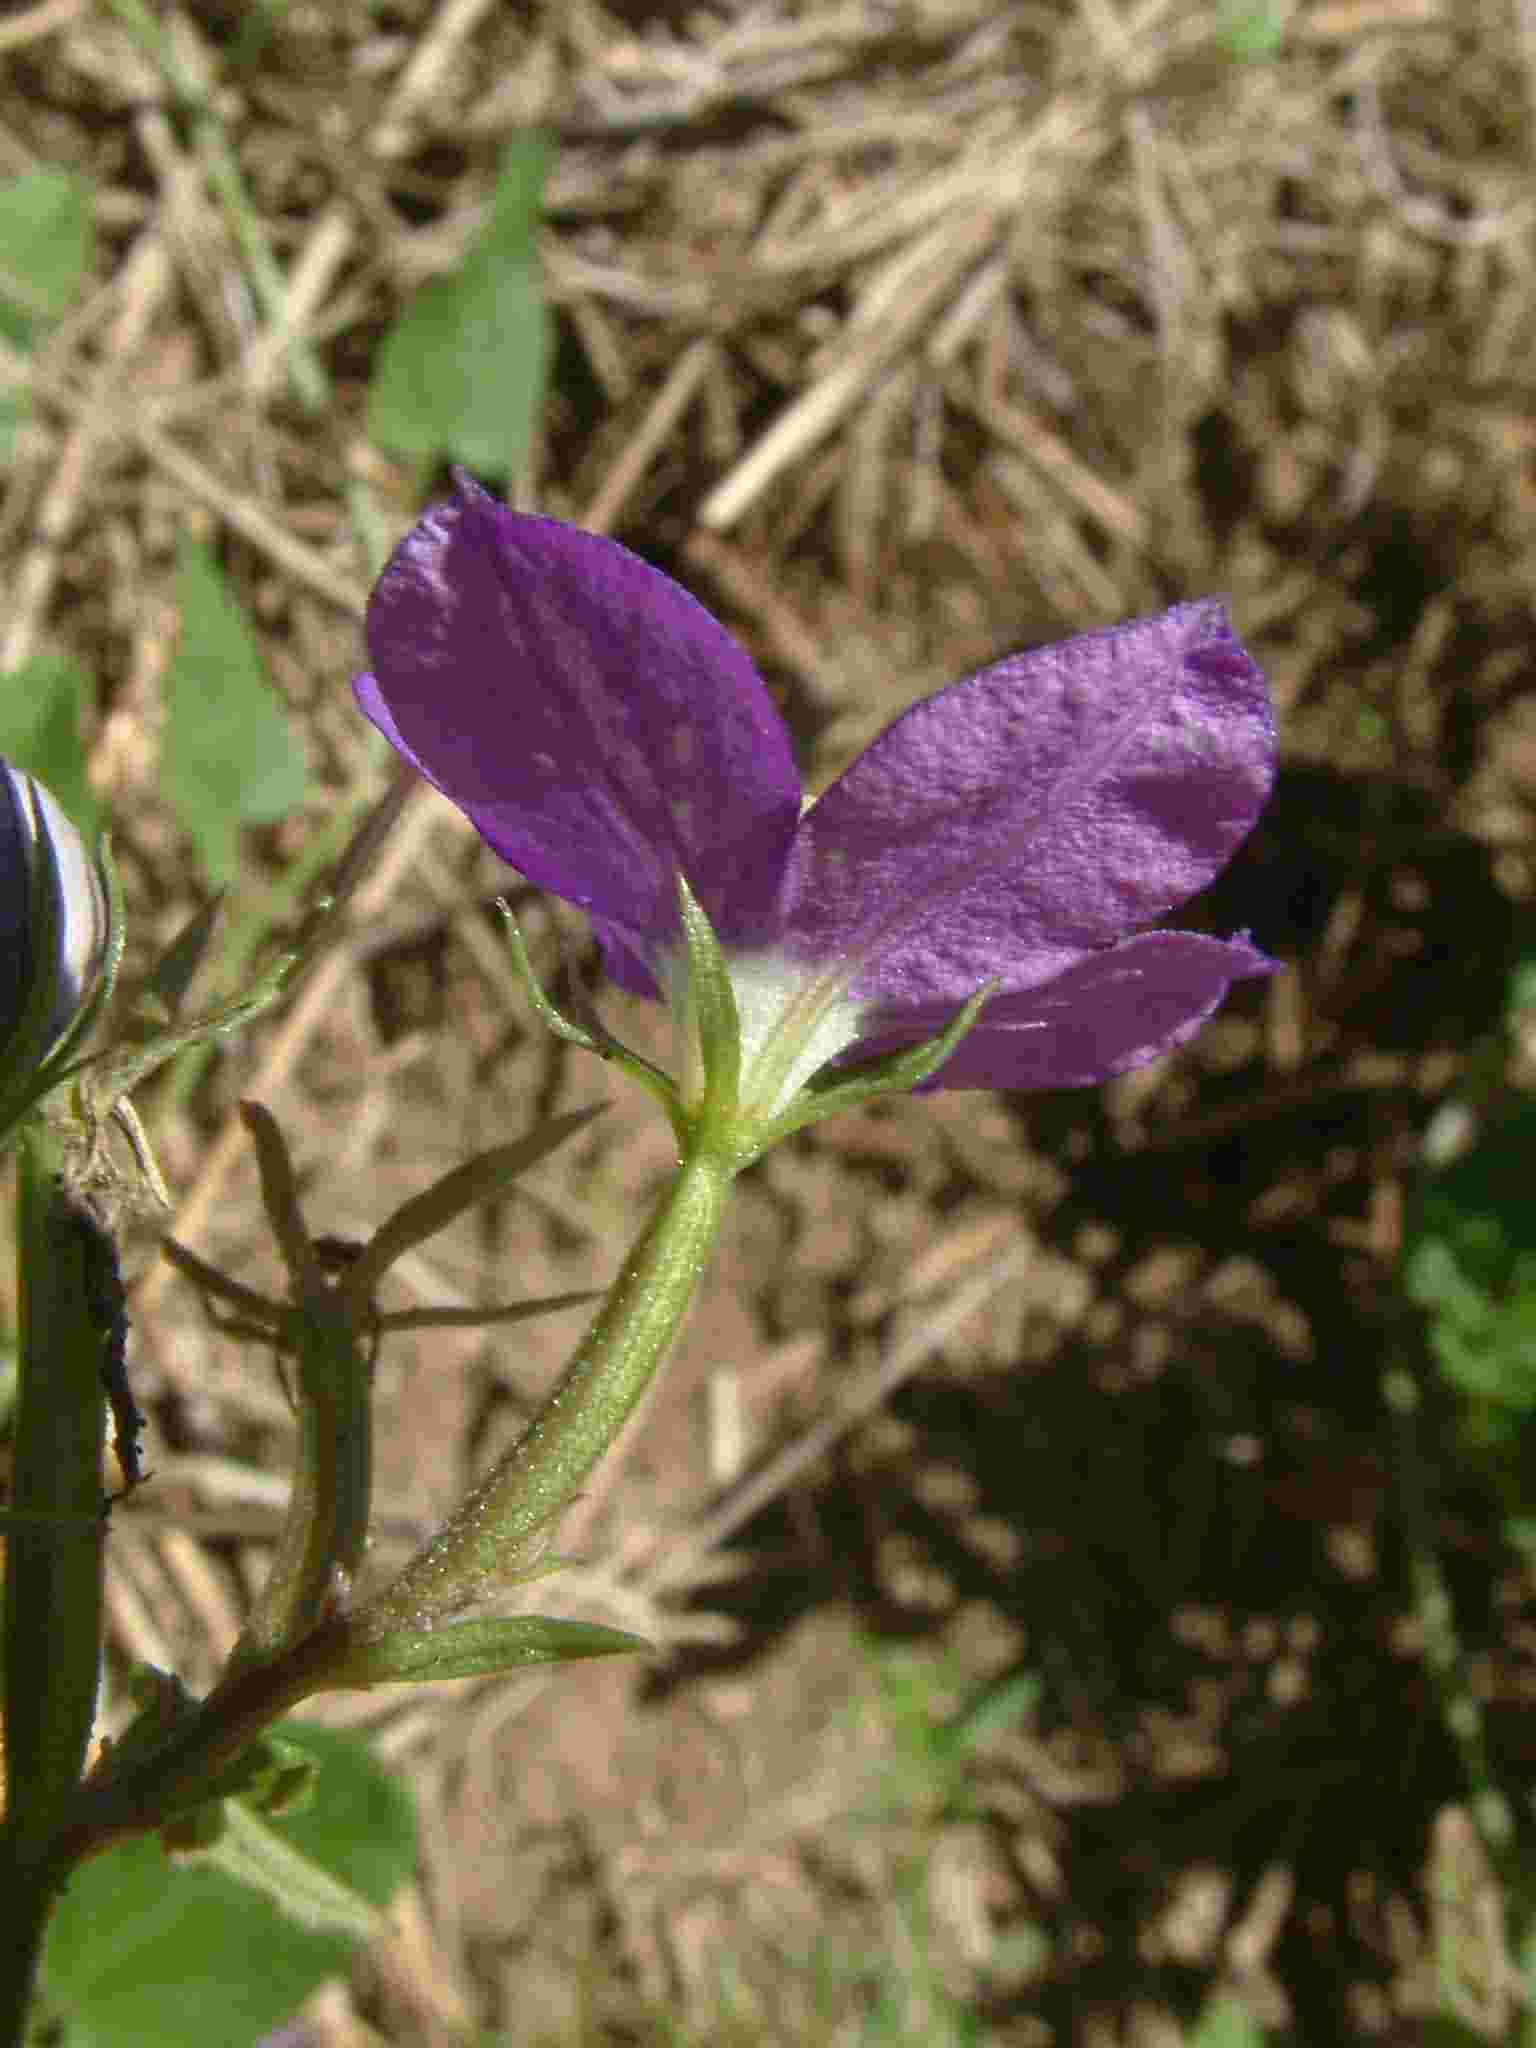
[(715, 1020), (590, 1036), (896, 1073), (473, 1649)]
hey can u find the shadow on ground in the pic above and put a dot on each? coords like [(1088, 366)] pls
[(1205, 1562)]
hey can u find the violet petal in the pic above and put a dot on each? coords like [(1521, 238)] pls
[(1040, 809), (596, 725), (1111, 1012)]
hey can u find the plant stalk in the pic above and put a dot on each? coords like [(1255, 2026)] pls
[(54, 1550), (498, 1530)]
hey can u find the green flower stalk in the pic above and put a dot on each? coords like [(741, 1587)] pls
[(497, 1533)]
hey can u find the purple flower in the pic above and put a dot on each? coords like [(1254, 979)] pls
[(606, 736)]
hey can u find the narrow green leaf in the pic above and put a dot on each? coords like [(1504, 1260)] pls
[(147, 1953), (477, 1649), (230, 757), (166, 984), (463, 372), (462, 1187), (40, 707)]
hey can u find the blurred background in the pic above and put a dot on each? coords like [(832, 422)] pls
[(1088, 1539)]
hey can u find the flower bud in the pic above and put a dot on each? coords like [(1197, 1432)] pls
[(49, 989)]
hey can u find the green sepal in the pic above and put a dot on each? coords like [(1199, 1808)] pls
[(473, 1649), (592, 1036), (715, 1018), (896, 1073)]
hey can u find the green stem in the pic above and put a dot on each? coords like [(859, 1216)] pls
[(497, 1531), (54, 1550)]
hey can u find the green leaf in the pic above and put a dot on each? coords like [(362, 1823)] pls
[(166, 984), (1484, 1207), (462, 374), (40, 705), (461, 1188), (1226, 2024), (1470, 1261), (147, 1953), (47, 245), (1522, 987), (230, 755), (1254, 30), (253, 1852), (476, 1649)]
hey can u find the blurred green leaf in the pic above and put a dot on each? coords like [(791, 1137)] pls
[(1003, 1705), (146, 1953), (47, 245), (463, 373), (230, 756), (40, 705), (1470, 1262), (1226, 2024), (1522, 987), (166, 984), (251, 1850), (1253, 30)]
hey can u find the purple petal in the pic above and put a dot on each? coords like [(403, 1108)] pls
[(1037, 811), (593, 721), (1109, 1013)]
